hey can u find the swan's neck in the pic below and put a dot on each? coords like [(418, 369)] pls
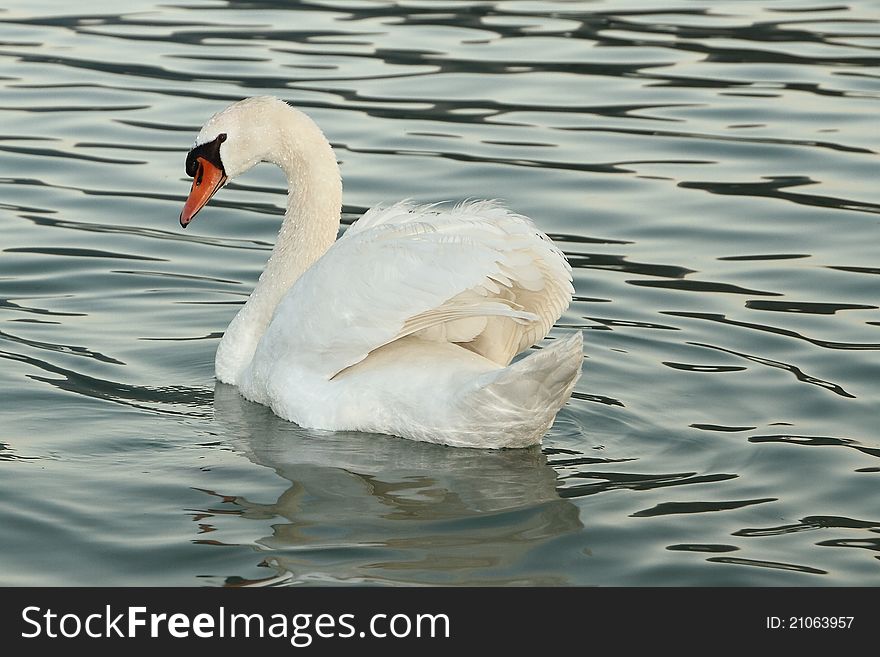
[(310, 226), (311, 221)]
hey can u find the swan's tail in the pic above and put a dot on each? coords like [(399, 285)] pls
[(520, 402)]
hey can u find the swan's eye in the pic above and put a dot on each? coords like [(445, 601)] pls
[(191, 165), (209, 151)]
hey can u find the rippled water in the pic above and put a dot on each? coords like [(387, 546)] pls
[(710, 168)]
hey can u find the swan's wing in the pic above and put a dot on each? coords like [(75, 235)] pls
[(477, 275)]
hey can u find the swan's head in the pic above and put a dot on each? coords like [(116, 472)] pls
[(230, 143)]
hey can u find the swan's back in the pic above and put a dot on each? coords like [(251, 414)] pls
[(476, 275), (529, 275)]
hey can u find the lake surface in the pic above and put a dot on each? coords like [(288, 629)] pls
[(710, 169)]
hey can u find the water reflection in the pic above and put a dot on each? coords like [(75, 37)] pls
[(376, 509)]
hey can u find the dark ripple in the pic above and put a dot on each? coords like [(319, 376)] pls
[(80, 253), (152, 125), (75, 109), (765, 256), (720, 427), (689, 367), (55, 153), (704, 286), (776, 565), (127, 147), (675, 508), (620, 263), (861, 543), (584, 239), (31, 320), (630, 481), (215, 335), (6, 454), (11, 305), (827, 344), (61, 348), (599, 399), (816, 441), (810, 523), (176, 276), (808, 307), (774, 189), (611, 324), (857, 270), (162, 400), (578, 460), (701, 547), (798, 373)]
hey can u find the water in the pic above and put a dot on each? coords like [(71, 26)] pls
[(709, 168)]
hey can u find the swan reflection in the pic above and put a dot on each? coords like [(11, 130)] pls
[(377, 509)]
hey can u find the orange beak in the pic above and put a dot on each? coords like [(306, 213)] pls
[(206, 182)]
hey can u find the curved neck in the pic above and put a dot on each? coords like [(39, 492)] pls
[(314, 204)]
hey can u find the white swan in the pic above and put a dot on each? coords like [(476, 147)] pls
[(408, 323)]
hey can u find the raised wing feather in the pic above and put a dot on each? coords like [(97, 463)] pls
[(476, 274)]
